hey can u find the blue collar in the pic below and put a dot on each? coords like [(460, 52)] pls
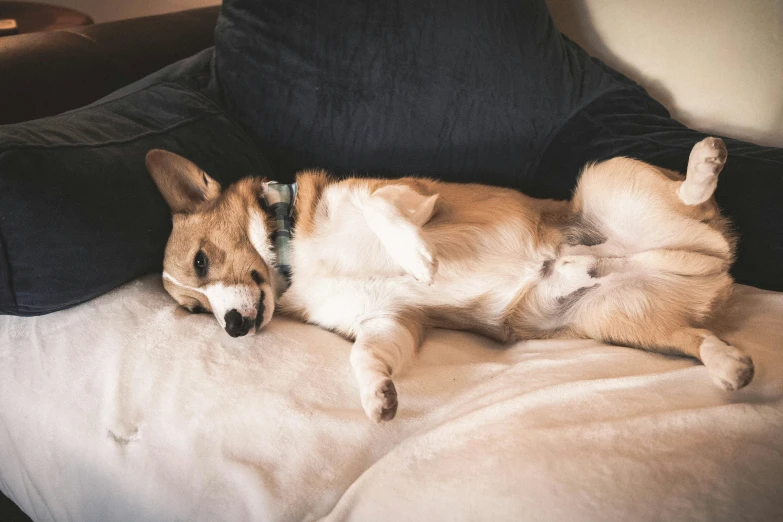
[(279, 199)]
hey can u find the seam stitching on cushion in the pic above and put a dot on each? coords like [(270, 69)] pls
[(212, 109), (156, 84), (96, 104), (117, 142), (681, 147)]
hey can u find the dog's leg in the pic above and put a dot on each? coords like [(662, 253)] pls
[(383, 345), (682, 262), (705, 163), (395, 213), (729, 367)]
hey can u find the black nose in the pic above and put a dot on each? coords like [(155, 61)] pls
[(236, 325)]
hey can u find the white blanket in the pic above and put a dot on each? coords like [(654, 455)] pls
[(127, 409)]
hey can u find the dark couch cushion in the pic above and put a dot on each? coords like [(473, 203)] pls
[(464, 90), (79, 214)]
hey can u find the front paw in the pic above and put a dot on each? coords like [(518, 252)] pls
[(410, 250), (421, 263), (380, 401)]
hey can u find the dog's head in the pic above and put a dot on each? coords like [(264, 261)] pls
[(219, 256)]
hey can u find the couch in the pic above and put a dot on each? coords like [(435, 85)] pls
[(127, 408)]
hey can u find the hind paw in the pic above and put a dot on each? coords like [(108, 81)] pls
[(729, 367), (380, 403), (705, 163), (708, 157)]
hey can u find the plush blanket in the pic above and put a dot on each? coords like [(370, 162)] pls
[(125, 408)]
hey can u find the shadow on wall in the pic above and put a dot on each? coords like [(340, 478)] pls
[(574, 19), (717, 65)]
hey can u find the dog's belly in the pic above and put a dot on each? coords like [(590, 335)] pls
[(460, 298), (344, 275)]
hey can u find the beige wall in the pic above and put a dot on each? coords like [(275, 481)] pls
[(717, 65)]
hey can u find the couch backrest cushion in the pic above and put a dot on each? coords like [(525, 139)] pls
[(79, 214), (469, 90)]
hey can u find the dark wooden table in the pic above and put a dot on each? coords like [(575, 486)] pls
[(30, 17)]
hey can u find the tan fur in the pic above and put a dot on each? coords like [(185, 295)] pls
[(311, 185), (638, 257)]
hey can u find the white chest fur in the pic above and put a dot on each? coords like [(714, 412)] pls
[(378, 253)]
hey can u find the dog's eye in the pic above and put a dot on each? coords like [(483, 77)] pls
[(197, 310), (201, 264)]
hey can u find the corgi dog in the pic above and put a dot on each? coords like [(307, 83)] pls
[(638, 257)]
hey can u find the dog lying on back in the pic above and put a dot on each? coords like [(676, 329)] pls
[(639, 257)]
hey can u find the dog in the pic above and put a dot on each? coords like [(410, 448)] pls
[(639, 257)]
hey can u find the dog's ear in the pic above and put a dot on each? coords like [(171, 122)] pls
[(184, 186)]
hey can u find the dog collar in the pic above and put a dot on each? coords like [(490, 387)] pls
[(279, 199)]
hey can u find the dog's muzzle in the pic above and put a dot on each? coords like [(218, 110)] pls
[(236, 325)]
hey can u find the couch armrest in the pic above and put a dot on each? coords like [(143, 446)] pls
[(42, 74)]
